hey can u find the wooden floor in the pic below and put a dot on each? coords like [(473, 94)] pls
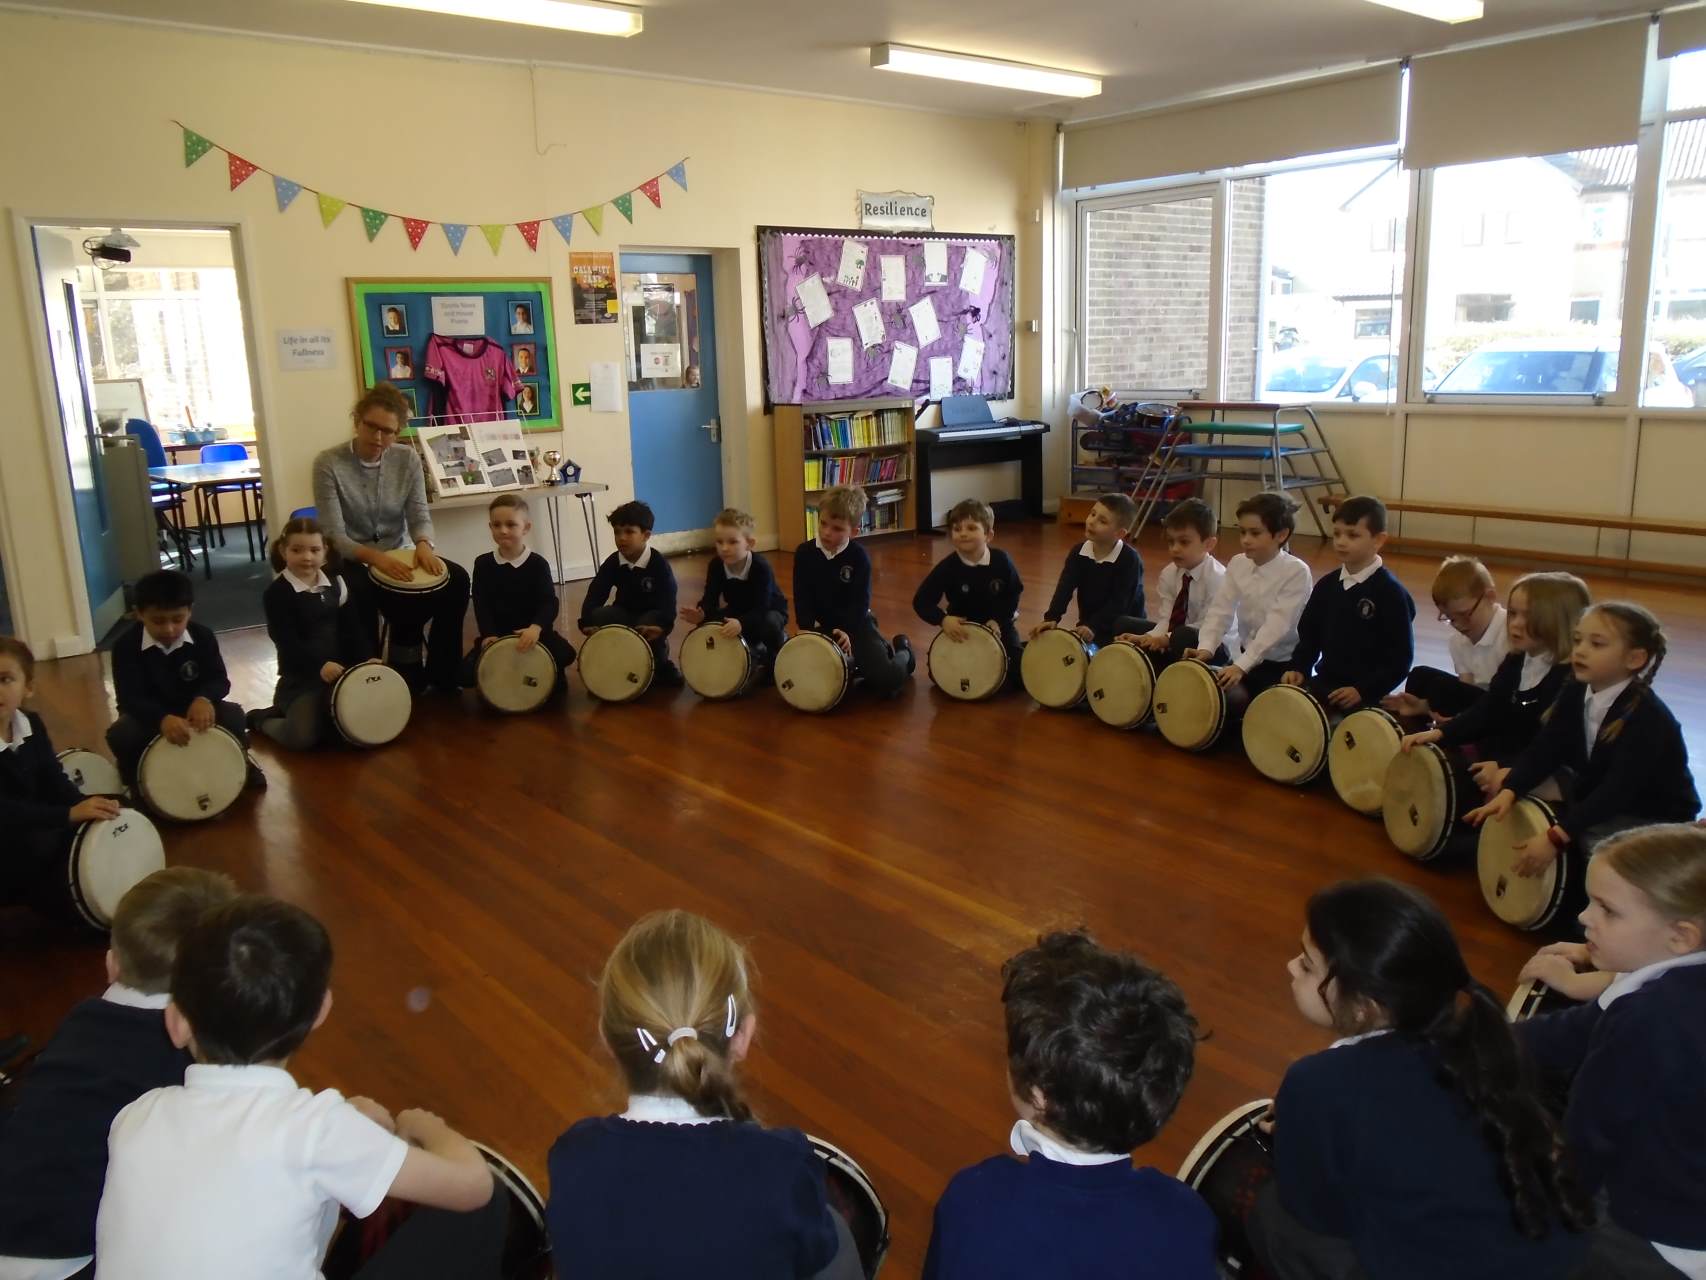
[(882, 861)]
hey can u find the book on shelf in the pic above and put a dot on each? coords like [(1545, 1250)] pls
[(856, 469), (868, 429)]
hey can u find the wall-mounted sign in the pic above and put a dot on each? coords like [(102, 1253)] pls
[(305, 349), (896, 211)]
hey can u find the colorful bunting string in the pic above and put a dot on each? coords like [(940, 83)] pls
[(285, 190)]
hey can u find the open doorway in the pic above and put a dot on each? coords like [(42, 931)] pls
[(148, 338)]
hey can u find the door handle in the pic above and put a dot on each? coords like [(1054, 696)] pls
[(715, 427)]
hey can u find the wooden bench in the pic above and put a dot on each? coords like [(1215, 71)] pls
[(1627, 524)]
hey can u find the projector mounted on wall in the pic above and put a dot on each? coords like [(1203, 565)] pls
[(114, 247)]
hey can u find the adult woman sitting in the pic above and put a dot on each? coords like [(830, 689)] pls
[(369, 494)]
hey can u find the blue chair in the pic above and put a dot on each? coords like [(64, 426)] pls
[(312, 513), (167, 497), (231, 451)]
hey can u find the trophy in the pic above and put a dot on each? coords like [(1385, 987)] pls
[(552, 458)]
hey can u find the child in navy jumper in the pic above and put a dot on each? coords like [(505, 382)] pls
[(1355, 639), (1099, 1050), (39, 806), (1636, 1054), (979, 584), (317, 634), (1187, 584), (168, 676), (644, 587), (513, 591), (1106, 574), (1414, 1148), (832, 594), (1612, 750), (685, 1182), (1260, 600), (740, 588), (107, 1053)]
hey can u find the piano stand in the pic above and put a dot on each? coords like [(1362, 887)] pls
[(970, 437)]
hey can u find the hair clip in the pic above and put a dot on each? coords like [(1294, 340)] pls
[(731, 1022), (648, 1042), (681, 1033)]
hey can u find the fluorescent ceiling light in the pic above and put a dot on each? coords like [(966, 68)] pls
[(1438, 10), (588, 16), (990, 71)]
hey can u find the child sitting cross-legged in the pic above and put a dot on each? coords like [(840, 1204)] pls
[(740, 588), (975, 585)]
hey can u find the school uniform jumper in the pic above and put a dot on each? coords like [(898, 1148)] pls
[(1357, 632), (834, 593), (644, 591), (753, 598), (510, 595), (53, 1145), (309, 626), (1375, 1159), (152, 682), (979, 592), (1475, 662), (1109, 590), (1256, 610), (36, 799), (1505, 719), (1183, 598)]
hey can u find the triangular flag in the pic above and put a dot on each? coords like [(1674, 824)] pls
[(285, 190), (416, 227), (595, 218), (240, 169), (330, 208), (453, 232), (373, 219), (650, 187), (625, 205), (195, 147), (679, 173), (530, 233), (494, 233), (565, 224)]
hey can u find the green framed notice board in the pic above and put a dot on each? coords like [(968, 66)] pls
[(393, 318)]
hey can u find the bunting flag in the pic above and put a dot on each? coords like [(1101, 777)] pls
[(240, 169), (285, 190)]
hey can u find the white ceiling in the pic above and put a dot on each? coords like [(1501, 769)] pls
[(1149, 52)]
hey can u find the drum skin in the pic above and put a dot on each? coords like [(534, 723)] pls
[(1190, 705), (1285, 734), (616, 664), (1056, 668), (371, 704), (107, 858), (813, 673), (716, 666), (195, 782), (970, 669), (1528, 902), (92, 774), (1363, 745), (1122, 685), (421, 581), (1423, 801), (512, 681)]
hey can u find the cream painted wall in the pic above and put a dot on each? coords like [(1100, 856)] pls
[(440, 139)]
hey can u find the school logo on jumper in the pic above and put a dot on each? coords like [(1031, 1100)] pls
[(1365, 608), (995, 586), (645, 584), (965, 588), (847, 573), (189, 672)]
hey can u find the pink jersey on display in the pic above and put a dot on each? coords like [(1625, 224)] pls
[(476, 375)]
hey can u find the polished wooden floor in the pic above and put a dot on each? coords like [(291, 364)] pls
[(882, 861)]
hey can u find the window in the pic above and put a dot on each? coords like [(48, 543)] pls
[(1678, 308), (181, 332), (1374, 322), (1508, 318)]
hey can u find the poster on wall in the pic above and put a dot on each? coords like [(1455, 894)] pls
[(593, 276)]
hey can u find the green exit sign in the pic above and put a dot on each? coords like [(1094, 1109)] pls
[(580, 393)]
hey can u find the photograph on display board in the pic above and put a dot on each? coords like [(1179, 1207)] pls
[(399, 364), (526, 362), (395, 322), (521, 318), (414, 405), (527, 401)]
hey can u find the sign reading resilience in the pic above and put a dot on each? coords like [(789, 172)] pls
[(896, 211)]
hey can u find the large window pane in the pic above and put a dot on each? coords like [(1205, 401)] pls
[(1676, 376), (1687, 82), (1525, 275), (1146, 295), (1315, 277)]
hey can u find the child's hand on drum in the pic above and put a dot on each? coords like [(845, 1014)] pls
[(200, 715), (1534, 855), (1154, 641), (175, 730), (1227, 677), (1200, 655), (994, 628), (1575, 952), (1405, 704), (329, 672), (1554, 970), (954, 628), (1489, 776), (844, 640), (1497, 807), (1085, 634), (691, 613), (374, 1112), (1293, 678), (1345, 698), (94, 808), (649, 633), (527, 637), (1410, 740), (730, 628)]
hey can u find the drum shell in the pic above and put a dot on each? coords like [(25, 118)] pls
[(1190, 706), (515, 682), (1534, 998), (619, 667), (1055, 668), (193, 783), (1361, 747), (971, 669), (1427, 792), (709, 670), (806, 673), (1528, 903), (1228, 1168), (527, 1246), (94, 891), (1286, 734), (854, 1196), (376, 727)]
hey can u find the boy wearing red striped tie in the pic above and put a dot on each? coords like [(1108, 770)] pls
[(1187, 585)]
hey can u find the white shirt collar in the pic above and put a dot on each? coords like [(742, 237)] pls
[(1028, 1140), (1535, 667), (205, 1075), (1277, 563), (745, 569), (665, 1108), (644, 561), (131, 998), (521, 556), (149, 642), (1601, 702), (1350, 1040), (1495, 632), (20, 731), (830, 555), (1625, 983), (1089, 550), (1348, 579), (982, 562), (320, 581)]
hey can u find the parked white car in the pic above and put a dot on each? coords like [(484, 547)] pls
[(1306, 375), (1535, 367)]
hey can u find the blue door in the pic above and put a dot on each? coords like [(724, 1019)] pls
[(672, 387)]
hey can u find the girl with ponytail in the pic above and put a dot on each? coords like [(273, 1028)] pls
[(1415, 1147), (684, 1182)]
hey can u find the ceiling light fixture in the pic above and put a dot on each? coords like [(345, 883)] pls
[(589, 17), (990, 71), (1439, 10)]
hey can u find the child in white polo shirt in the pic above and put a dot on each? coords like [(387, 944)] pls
[(240, 1172)]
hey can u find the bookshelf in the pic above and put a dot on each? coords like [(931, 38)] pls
[(868, 443)]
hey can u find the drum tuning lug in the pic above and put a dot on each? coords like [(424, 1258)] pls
[(1292, 755), (1415, 818), (1350, 742), (1097, 696)]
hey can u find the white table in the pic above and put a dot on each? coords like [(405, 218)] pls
[(553, 495)]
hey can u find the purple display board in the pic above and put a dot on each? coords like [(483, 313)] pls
[(815, 347)]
